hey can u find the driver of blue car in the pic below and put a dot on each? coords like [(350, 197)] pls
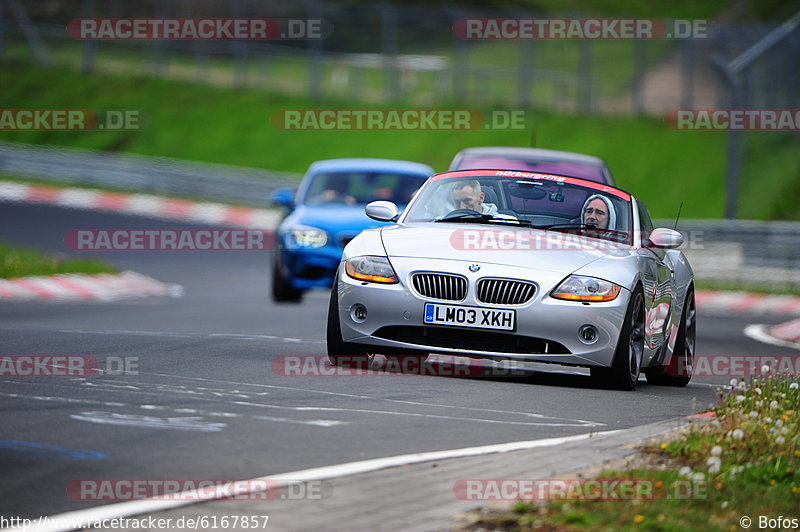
[(336, 191)]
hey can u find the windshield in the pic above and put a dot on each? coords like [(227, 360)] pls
[(570, 168), (356, 188), (527, 199)]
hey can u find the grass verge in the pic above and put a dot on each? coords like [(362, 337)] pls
[(743, 462), (22, 262)]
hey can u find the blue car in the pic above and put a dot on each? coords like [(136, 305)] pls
[(328, 212)]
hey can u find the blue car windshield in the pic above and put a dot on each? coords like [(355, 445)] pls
[(359, 188)]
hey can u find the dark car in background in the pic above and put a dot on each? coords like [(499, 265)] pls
[(534, 160), (327, 212)]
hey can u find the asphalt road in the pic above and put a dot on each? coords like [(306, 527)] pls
[(207, 399)]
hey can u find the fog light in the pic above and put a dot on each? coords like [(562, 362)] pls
[(588, 334), (358, 312)]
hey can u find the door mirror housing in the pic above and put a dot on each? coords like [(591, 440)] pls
[(666, 238), (383, 211)]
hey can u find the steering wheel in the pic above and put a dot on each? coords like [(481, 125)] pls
[(462, 212)]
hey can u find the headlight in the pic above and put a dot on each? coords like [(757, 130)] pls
[(307, 237), (372, 269), (582, 288)]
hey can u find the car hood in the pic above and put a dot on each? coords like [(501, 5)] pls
[(512, 246)]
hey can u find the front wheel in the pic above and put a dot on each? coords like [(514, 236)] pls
[(282, 289), (624, 371), (679, 370), (341, 353)]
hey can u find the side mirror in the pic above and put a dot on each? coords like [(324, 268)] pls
[(383, 211), (666, 238), (284, 197)]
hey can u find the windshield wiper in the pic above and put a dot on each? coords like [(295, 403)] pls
[(483, 218), (564, 226)]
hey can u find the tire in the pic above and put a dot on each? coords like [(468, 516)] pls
[(626, 366), (341, 353), (679, 370), (282, 289)]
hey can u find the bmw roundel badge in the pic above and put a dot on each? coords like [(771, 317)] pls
[(474, 267)]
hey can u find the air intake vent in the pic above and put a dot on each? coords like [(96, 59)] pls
[(505, 291), (440, 286)]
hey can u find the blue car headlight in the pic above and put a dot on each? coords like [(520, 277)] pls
[(304, 236)]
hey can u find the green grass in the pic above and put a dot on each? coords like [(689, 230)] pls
[(611, 74), (229, 126), (753, 436), (22, 262)]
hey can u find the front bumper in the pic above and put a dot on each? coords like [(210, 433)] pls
[(547, 329), (308, 268)]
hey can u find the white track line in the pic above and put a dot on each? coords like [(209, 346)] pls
[(83, 518), (311, 422), (542, 417), (758, 332), (582, 422), (136, 388), (572, 422)]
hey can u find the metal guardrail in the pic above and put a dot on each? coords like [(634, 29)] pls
[(742, 251), (154, 175)]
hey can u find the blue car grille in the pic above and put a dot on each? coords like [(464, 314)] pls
[(440, 286), (505, 291)]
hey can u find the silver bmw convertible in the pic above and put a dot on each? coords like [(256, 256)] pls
[(512, 265)]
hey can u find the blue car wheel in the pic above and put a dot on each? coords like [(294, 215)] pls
[(282, 289)]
